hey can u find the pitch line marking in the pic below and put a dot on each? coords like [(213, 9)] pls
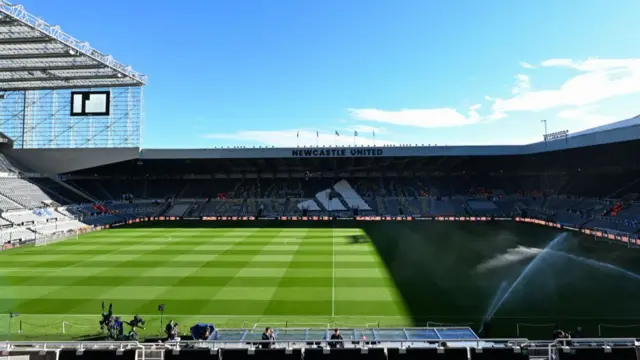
[(333, 275)]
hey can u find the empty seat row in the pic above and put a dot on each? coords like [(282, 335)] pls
[(35, 216), (23, 192), (7, 204), (16, 234), (59, 226)]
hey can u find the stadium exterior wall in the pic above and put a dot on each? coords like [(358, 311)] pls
[(60, 161)]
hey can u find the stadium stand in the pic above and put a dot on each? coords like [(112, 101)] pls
[(24, 193), (53, 185), (6, 166)]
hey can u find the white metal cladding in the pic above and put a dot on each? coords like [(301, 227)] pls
[(42, 119), (36, 55)]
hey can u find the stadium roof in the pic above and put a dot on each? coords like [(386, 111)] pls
[(35, 55)]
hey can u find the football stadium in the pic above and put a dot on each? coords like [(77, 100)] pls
[(108, 249)]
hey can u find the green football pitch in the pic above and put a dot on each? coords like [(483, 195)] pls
[(231, 277), (321, 274)]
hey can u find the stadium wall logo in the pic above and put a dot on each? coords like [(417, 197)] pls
[(337, 152)]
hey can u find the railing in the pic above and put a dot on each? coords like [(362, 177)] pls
[(512, 343), (506, 348), (55, 345), (250, 343)]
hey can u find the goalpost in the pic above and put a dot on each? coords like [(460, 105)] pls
[(524, 330), (611, 330), (68, 327), (44, 240)]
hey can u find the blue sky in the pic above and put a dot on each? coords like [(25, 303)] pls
[(258, 72)]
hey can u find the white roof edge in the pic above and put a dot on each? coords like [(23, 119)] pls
[(18, 13), (615, 125)]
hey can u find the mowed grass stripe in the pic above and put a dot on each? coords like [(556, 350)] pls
[(283, 299), (60, 292), (262, 292), (237, 236), (211, 248), (351, 299), (202, 240), (176, 307), (19, 276), (164, 252), (213, 293), (201, 271), (143, 264), (239, 279)]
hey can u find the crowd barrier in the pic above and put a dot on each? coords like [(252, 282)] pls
[(585, 349)]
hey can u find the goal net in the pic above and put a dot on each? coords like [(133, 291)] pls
[(619, 331), (535, 331), (44, 240)]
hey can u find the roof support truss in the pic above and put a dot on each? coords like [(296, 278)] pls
[(28, 43), (51, 68), (26, 40), (58, 78)]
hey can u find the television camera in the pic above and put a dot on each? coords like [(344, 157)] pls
[(114, 325)]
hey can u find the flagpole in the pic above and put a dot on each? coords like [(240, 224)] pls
[(298, 139), (374, 138), (317, 135)]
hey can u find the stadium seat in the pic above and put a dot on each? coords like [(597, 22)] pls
[(47, 355), (191, 354), (261, 354), (101, 354), (498, 353), (345, 354), (598, 353), (423, 353)]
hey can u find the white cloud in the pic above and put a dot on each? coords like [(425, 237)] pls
[(365, 130), (600, 79), (424, 118), (475, 107), (526, 65), (593, 64), (557, 63), (289, 138), (522, 84), (585, 118), (498, 139)]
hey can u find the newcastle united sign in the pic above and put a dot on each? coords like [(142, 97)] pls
[(337, 152)]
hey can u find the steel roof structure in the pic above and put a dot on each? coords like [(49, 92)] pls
[(35, 55)]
